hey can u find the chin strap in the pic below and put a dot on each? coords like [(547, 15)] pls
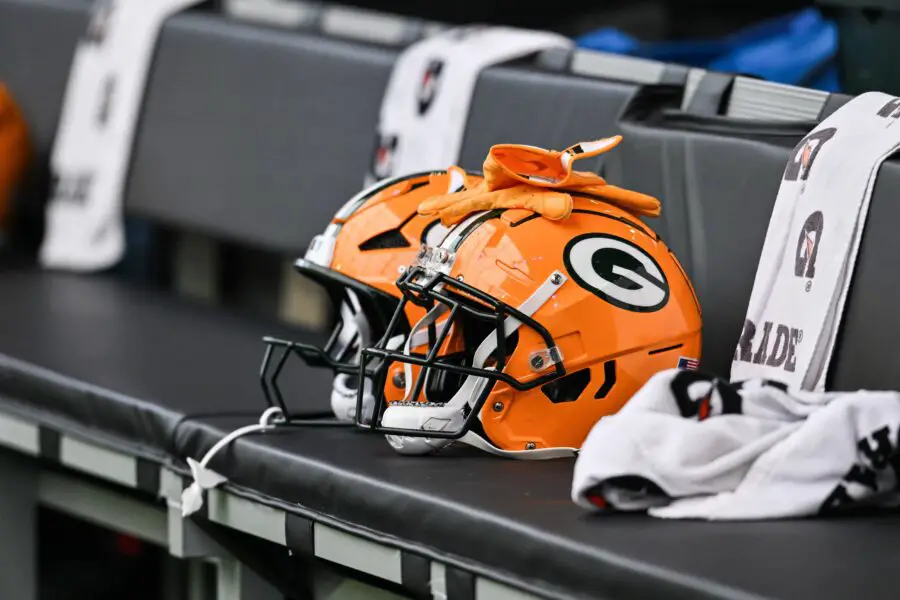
[(354, 325), (205, 478), (417, 337), (344, 397)]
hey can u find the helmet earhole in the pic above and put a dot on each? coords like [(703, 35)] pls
[(399, 380)]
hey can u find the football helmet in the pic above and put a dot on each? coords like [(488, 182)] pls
[(15, 150), (536, 329), (366, 247)]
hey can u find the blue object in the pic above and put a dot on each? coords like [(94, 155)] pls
[(797, 48), (138, 264)]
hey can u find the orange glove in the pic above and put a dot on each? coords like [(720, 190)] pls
[(452, 208), (553, 169), (539, 180), (15, 149), (547, 168)]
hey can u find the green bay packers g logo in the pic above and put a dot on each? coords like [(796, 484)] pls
[(617, 271)]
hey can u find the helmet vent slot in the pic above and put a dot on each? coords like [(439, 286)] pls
[(567, 388), (392, 238)]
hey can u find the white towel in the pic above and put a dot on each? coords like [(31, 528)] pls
[(807, 262), (691, 446), (426, 103), (92, 151)]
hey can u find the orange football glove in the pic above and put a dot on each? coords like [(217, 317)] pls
[(539, 180), (452, 208)]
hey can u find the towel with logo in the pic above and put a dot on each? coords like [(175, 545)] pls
[(92, 150), (426, 103), (807, 262), (690, 446)]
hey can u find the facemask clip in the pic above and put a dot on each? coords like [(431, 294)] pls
[(540, 360), (435, 259)]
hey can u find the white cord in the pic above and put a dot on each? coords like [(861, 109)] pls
[(207, 479)]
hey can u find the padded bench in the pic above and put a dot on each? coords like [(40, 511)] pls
[(514, 521), (162, 378), (510, 521), (131, 363)]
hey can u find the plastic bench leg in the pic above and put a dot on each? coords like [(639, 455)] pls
[(19, 478), (234, 581)]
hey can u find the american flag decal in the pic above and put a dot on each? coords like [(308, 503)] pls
[(690, 364)]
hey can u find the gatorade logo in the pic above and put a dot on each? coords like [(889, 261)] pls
[(107, 93), (876, 471), (891, 110), (383, 161), (808, 247), (701, 396), (71, 188), (804, 155), (774, 346), (428, 85)]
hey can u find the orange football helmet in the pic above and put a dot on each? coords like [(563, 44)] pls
[(368, 244), (15, 150), (549, 325)]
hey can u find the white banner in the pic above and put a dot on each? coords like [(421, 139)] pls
[(92, 151), (426, 104)]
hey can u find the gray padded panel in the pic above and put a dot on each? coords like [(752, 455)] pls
[(641, 163), (37, 40), (832, 103), (550, 110), (255, 134), (269, 141), (729, 191), (708, 97), (717, 193)]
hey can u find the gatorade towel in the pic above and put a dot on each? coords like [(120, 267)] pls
[(426, 104), (92, 150)]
